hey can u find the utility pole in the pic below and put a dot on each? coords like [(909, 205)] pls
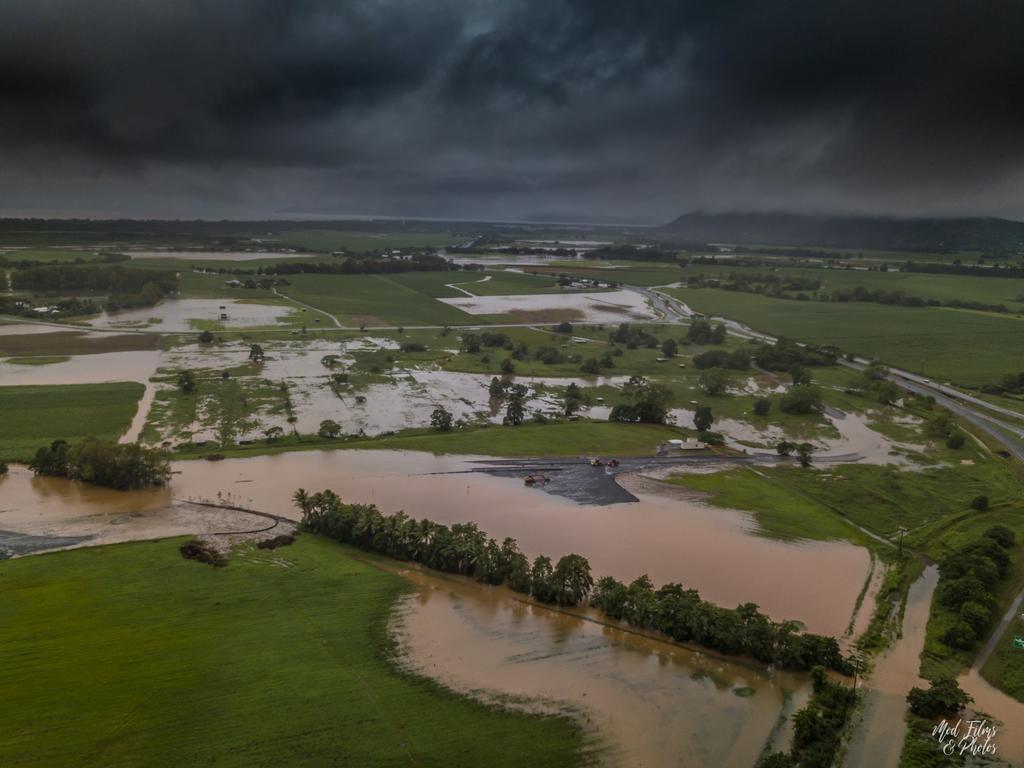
[(902, 532)]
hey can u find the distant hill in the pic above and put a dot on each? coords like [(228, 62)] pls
[(961, 234)]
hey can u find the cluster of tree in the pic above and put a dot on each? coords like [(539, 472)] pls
[(515, 409), (685, 617), (962, 269), (714, 381), (737, 360), (1012, 383), (558, 252), (944, 698), (703, 333), (365, 264), (874, 380), (462, 548), (785, 354), (472, 342), (594, 365), (817, 728), (969, 578), (804, 451), (125, 287), (631, 253), (574, 399), (441, 419), (562, 327), (768, 284), (54, 309), (646, 403), (633, 337), (943, 427), (103, 462), (903, 299), (801, 398), (329, 429)]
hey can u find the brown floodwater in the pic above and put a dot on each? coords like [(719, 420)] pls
[(85, 369), (879, 741), (670, 538), (651, 702)]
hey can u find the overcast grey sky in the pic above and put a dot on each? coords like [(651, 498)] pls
[(512, 109)]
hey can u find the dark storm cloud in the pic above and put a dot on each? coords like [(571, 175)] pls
[(511, 108)]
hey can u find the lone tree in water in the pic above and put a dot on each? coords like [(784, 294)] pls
[(329, 428), (187, 382), (441, 419), (256, 353), (703, 418), (803, 453)]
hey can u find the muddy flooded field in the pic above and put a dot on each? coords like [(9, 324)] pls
[(185, 315), (611, 307), (85, 369)]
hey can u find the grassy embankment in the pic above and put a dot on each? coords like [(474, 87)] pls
[(36, 415), (62, 343), (280, 658), (962, 346)]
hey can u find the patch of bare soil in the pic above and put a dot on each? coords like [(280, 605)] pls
[(365, 320), (75, 343), (548, 315)]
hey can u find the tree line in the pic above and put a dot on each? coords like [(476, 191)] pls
[(466, 550), (969, 577), (122, 466), (366, 265), (125, 287)]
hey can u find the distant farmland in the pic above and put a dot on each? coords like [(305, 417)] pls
[(962, 346)]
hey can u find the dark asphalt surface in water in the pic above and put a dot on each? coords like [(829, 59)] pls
[(13, 543), (577, 480)]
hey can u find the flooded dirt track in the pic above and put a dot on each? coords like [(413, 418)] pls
[(879, 739)]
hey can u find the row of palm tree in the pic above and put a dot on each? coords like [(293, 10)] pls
[(461, 548), (464, 549)]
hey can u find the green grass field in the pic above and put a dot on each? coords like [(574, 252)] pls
[(965, 347), (131, 655), (989, 290), (36, 415), (406, 299)]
